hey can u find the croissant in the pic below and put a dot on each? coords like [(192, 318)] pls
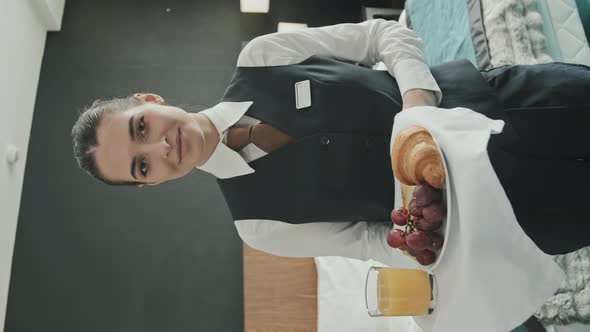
[(415, 159)]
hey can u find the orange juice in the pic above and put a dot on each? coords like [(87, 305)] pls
[(402, 292)]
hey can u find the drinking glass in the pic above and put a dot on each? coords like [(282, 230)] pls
[(399, 292)]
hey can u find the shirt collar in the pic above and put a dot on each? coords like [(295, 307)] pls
[(224, 162)]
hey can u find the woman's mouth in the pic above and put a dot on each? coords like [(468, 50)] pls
[(179, 145)]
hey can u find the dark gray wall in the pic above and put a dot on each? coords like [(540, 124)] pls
[(90, 257)]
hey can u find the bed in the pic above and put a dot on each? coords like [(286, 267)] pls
[(325, 294), (492, 33)]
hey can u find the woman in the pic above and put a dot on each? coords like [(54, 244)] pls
[(326, 184)]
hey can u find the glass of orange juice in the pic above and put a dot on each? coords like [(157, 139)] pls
[(399, 292)]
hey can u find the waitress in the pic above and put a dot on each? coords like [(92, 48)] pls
[(300, 140)]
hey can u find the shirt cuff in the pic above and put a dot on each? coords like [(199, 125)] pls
[(415, 74), (224, 136)]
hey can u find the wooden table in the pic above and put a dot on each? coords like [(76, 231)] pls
[(280, 294)]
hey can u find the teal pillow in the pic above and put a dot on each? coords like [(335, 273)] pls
[(584, 10), (443, 26)]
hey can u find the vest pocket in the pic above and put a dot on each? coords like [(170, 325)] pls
[(355, 173)]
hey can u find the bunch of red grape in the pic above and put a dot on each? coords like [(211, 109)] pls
[(425, 216)]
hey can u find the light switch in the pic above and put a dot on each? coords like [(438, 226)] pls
[(12, 153)]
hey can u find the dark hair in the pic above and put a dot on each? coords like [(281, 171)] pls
[(84, 135)]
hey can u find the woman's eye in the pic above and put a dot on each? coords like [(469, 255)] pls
[(141, 127), (143, 168)]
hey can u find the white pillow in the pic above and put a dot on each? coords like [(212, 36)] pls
[(341, 299)]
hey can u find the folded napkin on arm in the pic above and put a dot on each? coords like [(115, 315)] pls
[(492, 276)]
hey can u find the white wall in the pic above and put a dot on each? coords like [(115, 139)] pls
[(49, 12), (23, 27)]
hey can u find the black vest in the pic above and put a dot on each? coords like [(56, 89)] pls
[(339, 167)]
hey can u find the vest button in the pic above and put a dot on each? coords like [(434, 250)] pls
[(325, 140)]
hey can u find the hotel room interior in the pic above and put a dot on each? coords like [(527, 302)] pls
[(80, 256)]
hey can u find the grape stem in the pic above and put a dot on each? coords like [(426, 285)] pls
[(410, 227)]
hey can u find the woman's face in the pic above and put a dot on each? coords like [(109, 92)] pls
[(149, 143)]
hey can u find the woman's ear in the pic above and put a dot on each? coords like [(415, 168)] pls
[(149, 98)]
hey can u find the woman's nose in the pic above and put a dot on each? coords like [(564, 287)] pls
[(160, 148)]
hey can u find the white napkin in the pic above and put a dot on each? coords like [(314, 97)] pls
[(492, 276)]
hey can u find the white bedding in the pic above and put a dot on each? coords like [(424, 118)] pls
[(569, 31), (514, 33), (513, 29)]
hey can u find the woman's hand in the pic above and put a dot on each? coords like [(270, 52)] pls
[(418, 97)]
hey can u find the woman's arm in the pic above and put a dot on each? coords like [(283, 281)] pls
[(359, 240), (368, 43)]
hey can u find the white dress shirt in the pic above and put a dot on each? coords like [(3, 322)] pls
[(368, 43)]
